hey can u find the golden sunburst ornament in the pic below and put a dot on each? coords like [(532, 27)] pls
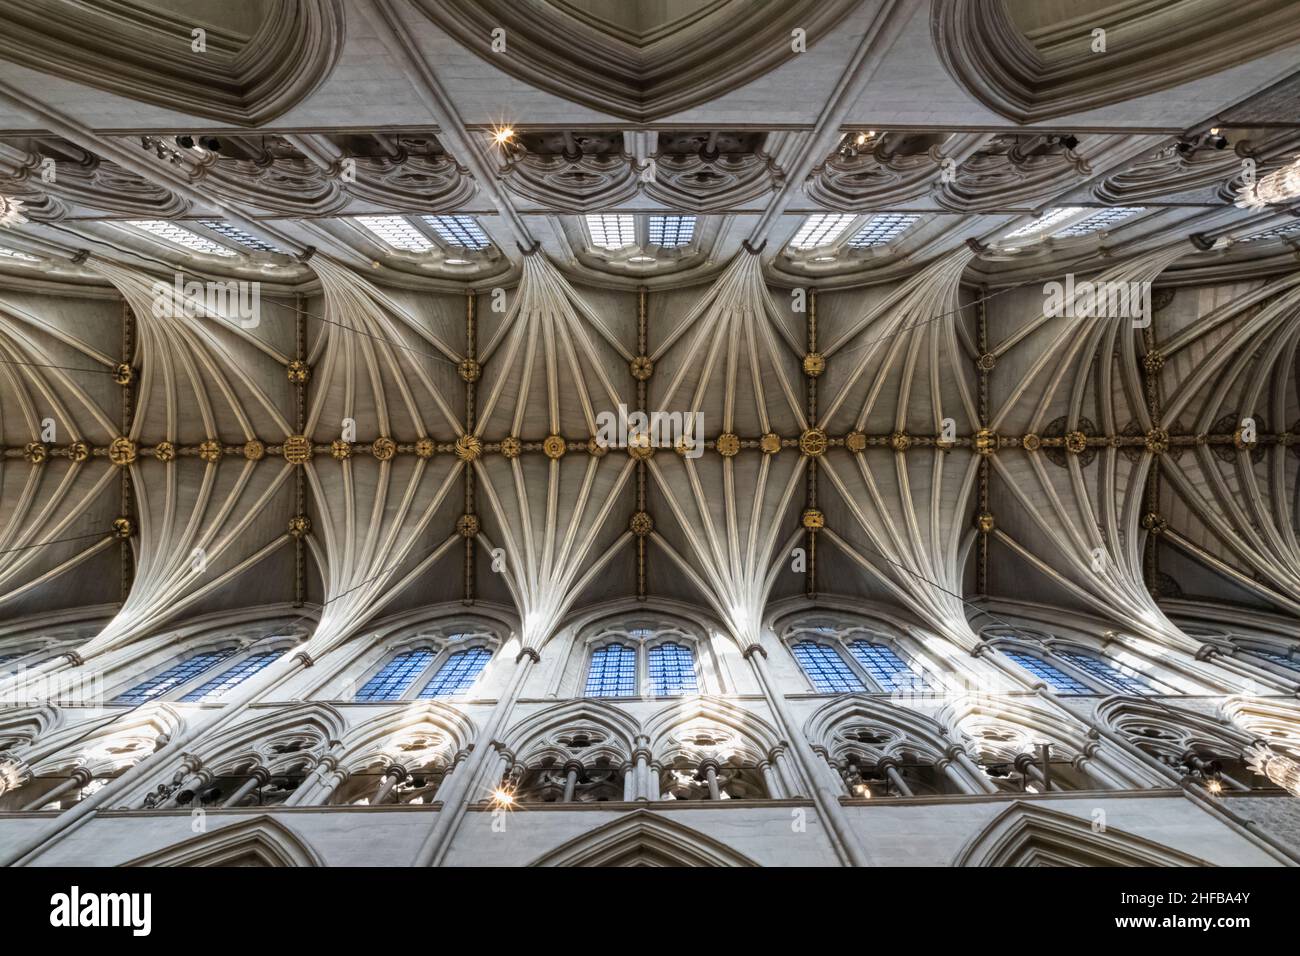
[(297, 449), (728, 445), (122, 452), (384, 449), (254, 450), (468, 447), (813, 442), (554, 446)]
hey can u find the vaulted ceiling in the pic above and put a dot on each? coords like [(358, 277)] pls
[(875, 193)]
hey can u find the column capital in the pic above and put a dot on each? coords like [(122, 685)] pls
[(528, 652), (752, 648)]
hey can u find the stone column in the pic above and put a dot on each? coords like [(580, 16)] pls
[(392, 777), (257, 777), (890, 766), (80, 777), (457, 794), (571, 771), (770, 781), (710, 770), (844, 840), (958, 755)]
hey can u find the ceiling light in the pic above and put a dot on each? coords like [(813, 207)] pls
[(457, 262), (178, 235), (820, 229), (641, 259), (503, 135), (397, 232), (611, 231)]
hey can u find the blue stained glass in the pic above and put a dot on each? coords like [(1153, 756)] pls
[(233, 677), (457, 675), (886, 668), (1288, 662), (396, 676), (173, 677), (671, 231), (612, 672), (1057, 679), (826, 669), (672, 670), (1109, 674)]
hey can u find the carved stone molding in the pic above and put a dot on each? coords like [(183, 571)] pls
[(642, 71), (1030, 75), (145, 54)]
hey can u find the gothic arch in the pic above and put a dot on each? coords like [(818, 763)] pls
[(915, 731), (1026, 834), (642, 838), (258, 841), (755, 734)]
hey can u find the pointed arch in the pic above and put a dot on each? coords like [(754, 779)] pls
[(642, 838), (259, 841), (1026, 834)]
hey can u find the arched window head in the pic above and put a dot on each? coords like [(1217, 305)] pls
[(172, 678), (612, 672), (826, 669), (672, 670), (233, 677), (886, 668), (457, 674), (1054, 677), (1124, 681), (395, 677)]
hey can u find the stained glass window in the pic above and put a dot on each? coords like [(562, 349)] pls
[(826, 669), (233, 677), (1108, 673), (1289, 662), (671, 231), (1057, 679), (885, 667), (612, 672), (173, 677), (820, 229), (397, 232), (458, 674), (672, 670), (396, 676), (611, 230), (882, 229), (180, 236), (460, 231)]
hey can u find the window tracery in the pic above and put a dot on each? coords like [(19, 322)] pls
[(429, 664), (847, 657), (642, 659)]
